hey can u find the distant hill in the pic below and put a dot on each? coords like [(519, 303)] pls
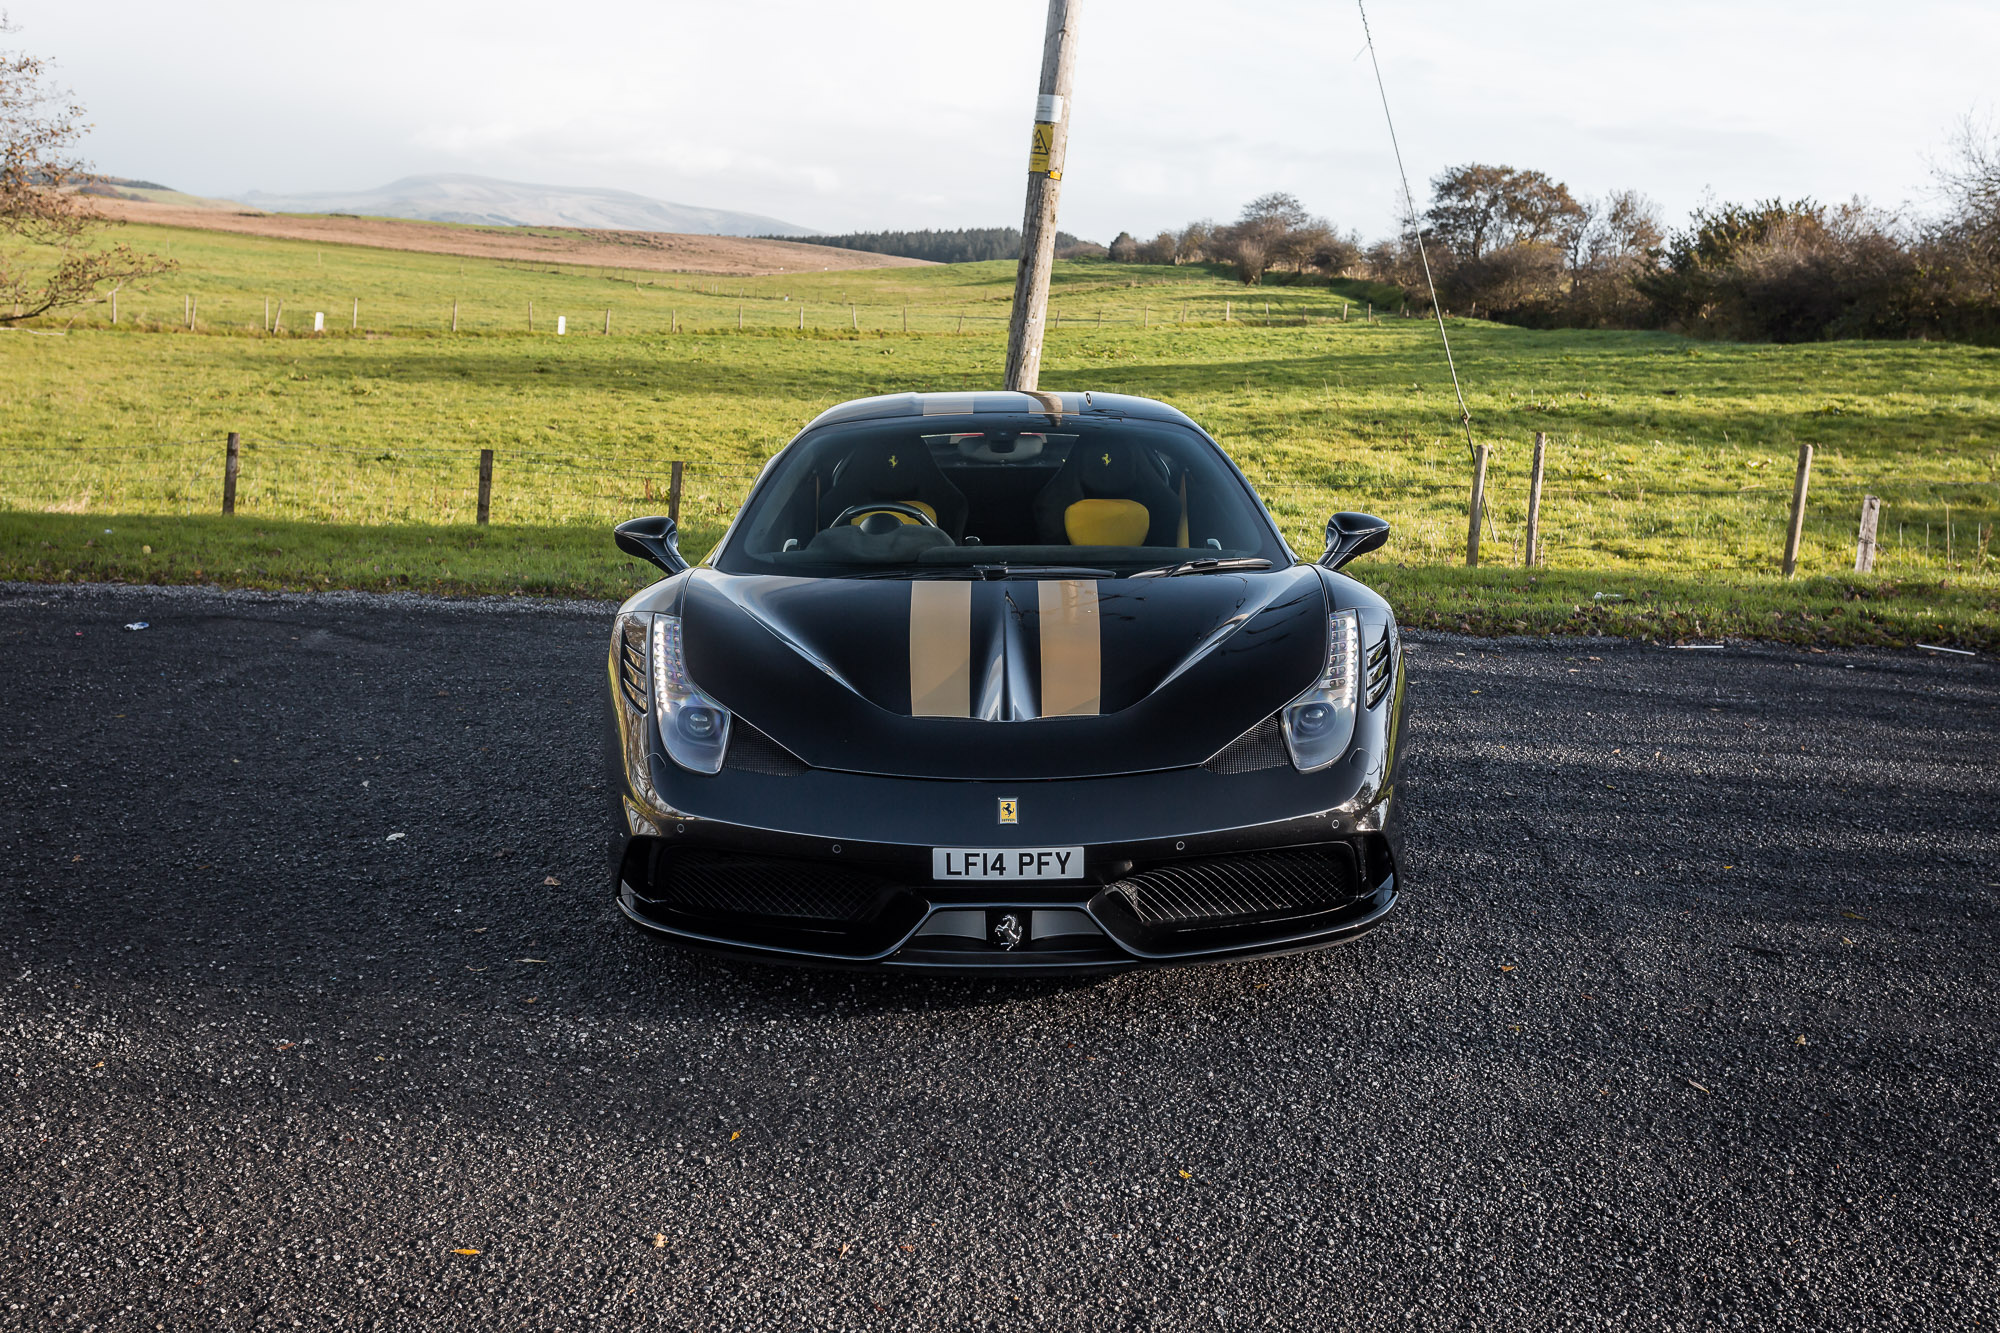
[(483, 201), (964, 246), (151, 192)]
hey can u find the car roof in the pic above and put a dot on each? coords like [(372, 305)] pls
[(984, 402)]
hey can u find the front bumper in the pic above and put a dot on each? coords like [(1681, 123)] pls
[(753, 892)]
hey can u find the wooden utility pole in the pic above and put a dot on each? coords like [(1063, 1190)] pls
[(1027, 321), (674, 493)]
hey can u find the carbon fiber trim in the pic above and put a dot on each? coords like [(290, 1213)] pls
[(1261, 747)]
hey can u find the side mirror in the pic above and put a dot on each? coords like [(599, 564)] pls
[(1349, 534), (655, 538)]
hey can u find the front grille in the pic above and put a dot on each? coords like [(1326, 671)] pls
[(706, 882), (1260, 884), (1381, 662), (751, 751), (1261, 747)]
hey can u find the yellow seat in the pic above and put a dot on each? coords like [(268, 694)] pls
[(901, 518), (1107, 523)]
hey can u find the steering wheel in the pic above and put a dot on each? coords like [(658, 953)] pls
[(884, 507)]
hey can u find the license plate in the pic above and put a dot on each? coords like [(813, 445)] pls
[(1006, 863)]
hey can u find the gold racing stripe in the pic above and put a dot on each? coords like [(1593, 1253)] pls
[(941, 649), (1072, 665)]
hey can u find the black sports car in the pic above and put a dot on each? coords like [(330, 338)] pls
[(1004, 680)]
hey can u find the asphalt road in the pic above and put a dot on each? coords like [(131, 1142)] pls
[(310, 983)]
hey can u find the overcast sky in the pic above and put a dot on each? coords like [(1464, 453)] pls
[(914, 113)]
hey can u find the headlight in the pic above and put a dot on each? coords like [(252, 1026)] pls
[(1319, 723), (693, 726)]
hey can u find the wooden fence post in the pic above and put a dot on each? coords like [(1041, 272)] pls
[(1531, 552), (267, 311), (674, 493), (114, 308), (739, 319), (1478, 502), (354, 321), (485, 484), (454, 314), (1793, 533), (1226, 312), (531, 316), (278, 320), (607, 323), (853, 319), (1864, 541), (229, 470), (802, 317)]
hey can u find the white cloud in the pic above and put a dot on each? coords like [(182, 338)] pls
[(909, 113)]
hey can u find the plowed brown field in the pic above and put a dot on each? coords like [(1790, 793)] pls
[(659, 251)]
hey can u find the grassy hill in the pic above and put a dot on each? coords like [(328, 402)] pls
[(1669, 476)]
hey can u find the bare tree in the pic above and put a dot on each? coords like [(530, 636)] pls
[(48, 257)]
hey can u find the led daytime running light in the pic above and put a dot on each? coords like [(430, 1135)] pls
[(693, 727), (1319, 724)]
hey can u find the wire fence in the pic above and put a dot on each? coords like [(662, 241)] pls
[(615, 307), (1927, 525)]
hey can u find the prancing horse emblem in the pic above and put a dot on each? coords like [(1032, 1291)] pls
[(1007, 931), (1010, 810)]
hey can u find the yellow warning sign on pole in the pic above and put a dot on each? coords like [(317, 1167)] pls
[(1038, 154)]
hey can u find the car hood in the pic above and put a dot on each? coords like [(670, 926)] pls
[(1005, 679)]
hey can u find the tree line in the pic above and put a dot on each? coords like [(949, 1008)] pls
[(1517, 245), (965, 245)]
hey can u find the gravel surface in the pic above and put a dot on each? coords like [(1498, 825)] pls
[(315, 1011)]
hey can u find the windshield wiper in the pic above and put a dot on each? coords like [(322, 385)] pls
[(1209, 565), (983, 572)]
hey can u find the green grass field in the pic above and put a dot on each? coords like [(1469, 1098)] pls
[(1670, 462)]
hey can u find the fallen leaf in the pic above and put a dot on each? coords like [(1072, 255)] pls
[(1799, 1041), (736, 1134), (553, 882), (98, 1065), (531, 960), (906, 1247), (465, 1252), (1697, 1087), (659, 1240), (1187, 1175), (392, 837), (531, 999), (1506, 967), (1853, 916)]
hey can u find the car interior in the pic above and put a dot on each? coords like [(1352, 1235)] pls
[(885, 494)]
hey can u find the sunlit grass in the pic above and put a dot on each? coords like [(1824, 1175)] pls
[(1670, 463)]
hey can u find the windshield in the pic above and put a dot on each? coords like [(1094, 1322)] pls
[(1112, 496)]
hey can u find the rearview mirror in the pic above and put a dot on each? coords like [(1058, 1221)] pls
[(656, 538), (1349, 534)]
